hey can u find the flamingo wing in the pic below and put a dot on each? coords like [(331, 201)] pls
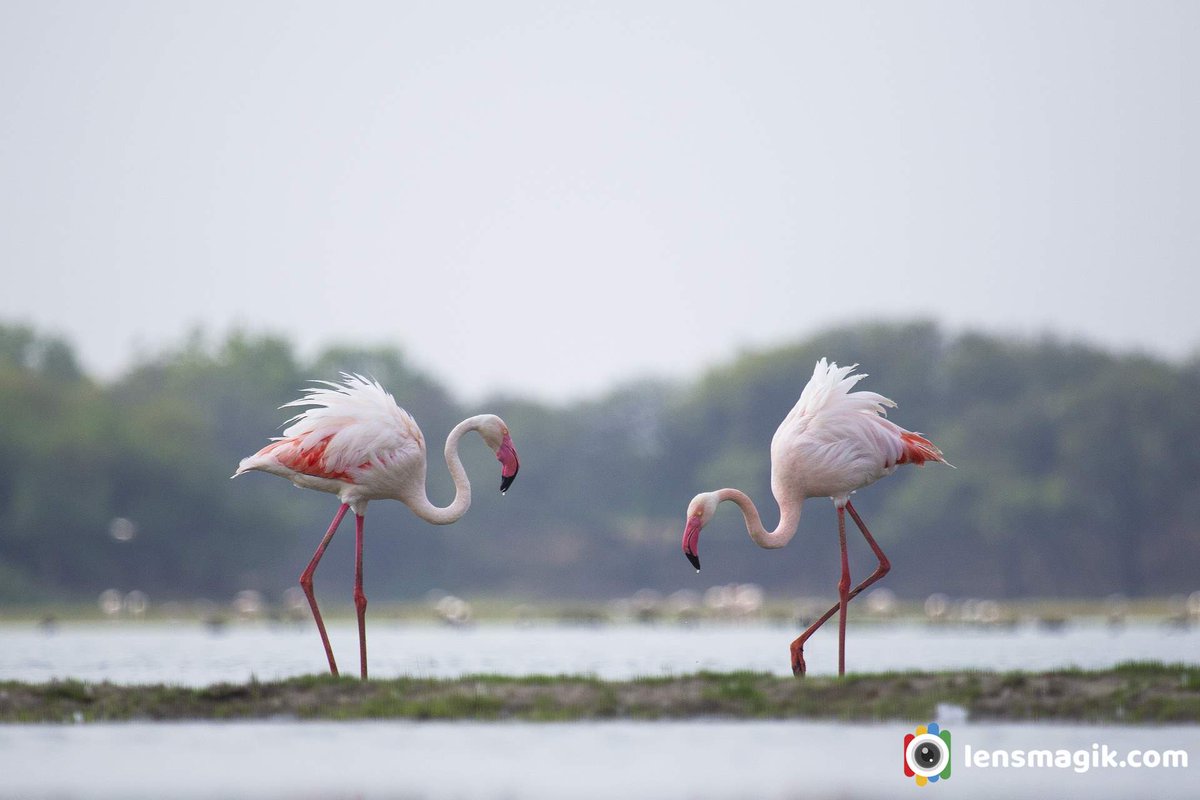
[(346, 429), (918, 450), (839, 440), (313, 460)]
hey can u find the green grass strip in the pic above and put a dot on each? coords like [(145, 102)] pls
[(1141, 692)]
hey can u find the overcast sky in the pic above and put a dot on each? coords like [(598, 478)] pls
[(549, 198)]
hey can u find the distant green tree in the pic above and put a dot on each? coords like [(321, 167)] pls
[(1078, 473)]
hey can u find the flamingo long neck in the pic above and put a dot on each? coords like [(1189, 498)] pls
[(789, 519), (421, 505)]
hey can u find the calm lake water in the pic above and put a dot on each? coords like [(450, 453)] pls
[(496, 761), (190, 654)]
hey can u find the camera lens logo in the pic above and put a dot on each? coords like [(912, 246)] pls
[(927, 754)]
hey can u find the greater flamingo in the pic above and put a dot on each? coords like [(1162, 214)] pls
[(355, 442), (832, 443)]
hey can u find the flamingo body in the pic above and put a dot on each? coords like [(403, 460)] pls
[(354, 441), (832, 443), (835, 441)]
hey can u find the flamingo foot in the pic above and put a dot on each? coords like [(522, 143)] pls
[(799, 668)]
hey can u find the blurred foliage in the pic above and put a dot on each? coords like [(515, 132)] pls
[(1078, 475)]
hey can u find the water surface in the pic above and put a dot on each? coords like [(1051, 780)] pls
[(190, 654), (495, 761)]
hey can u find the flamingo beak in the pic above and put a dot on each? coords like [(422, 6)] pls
[(509, 463), (691, 541)]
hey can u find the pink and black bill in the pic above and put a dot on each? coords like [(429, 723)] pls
[(691, 542), (509, 463)]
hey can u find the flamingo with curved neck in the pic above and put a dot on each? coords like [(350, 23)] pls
[(354, 441), (426, 510), (832, 443)]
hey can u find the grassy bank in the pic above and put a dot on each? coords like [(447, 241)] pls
[(1129, 693)]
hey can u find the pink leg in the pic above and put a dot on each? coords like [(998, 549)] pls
[(306, 583), (360, 599), (885, 566), (843, 592)]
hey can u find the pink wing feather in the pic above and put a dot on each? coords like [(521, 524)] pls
[(835, 440), (345, 430)]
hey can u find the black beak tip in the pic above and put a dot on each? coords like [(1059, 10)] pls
[(506, 481), (695, 559)]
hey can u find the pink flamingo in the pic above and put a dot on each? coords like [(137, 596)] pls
[(832, 443), (355, 442)]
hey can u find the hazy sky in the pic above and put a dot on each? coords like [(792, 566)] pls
[(548, 198)]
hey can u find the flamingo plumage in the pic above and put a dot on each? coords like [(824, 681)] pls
[(354, 441), (832, 443)]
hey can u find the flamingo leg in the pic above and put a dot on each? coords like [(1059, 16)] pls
[(843, 592), (885, 566), (360, 599), (306, 583)]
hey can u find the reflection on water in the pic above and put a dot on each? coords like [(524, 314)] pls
[(577, 761), (193, 655)]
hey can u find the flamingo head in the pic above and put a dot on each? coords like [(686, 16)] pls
[(495, 433), (699, 512)]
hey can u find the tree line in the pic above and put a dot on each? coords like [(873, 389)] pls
[(1078, 474)]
